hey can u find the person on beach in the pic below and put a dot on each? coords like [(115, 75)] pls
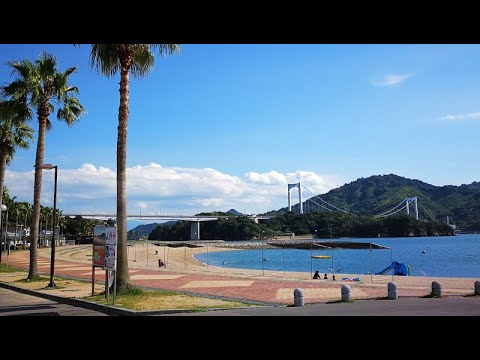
[(316, 275), (325, 277)]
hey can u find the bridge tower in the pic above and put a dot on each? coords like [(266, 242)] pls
[(300, 204), (408, 201)]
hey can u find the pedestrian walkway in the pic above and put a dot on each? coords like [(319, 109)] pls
[(275, 291), (13, 303)]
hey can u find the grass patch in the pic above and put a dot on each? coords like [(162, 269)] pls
[(131, 291), (144, 300), (7, 269)]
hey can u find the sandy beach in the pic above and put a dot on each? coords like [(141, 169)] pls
[(180, 259)]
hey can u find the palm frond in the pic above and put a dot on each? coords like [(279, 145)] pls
[(73, 89), (104, 58), (16, 90), (48, 125), (24, 68), (166, 49), (143, 57), (143, 60), (14, 133), (17, 110), (47, 66), (71, 111)]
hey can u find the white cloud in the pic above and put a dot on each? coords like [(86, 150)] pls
[(390, 80), (156, 189), (469, 116)]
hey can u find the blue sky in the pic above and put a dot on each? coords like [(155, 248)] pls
[(229, 126)]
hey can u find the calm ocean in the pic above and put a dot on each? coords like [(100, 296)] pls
[(447, 256)]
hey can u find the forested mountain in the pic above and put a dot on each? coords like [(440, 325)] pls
[(365, 196), (322, 225), (377, 194), (145, 230)]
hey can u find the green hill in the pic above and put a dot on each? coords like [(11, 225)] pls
[(145, 230), (379, 193)]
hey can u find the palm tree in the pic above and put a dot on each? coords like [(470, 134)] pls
[(14, 133), (38, 87), (110, 59)]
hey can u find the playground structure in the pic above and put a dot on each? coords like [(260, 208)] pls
[(398, 267)]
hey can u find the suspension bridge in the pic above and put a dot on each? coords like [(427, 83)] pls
[(313, 204), (316, 203)]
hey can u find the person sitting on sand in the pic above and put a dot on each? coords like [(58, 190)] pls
[(325, 277), (316, 275)]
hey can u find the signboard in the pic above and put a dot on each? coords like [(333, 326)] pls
[(98, 258), (105, 247), (110, 248), (105, 256)]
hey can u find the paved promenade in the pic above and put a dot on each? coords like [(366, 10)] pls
[(260, 289), (13, 303)]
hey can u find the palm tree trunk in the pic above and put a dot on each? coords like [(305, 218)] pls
[(37, 191), (3, 164), (123, 277)]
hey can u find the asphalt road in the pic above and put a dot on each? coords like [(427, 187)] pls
[(407, 306)]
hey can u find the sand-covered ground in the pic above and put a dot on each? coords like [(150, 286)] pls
[(146, 255)]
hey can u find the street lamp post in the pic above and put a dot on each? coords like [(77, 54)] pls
[(52, 254)]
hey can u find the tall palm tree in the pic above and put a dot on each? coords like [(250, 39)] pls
[(110, 59), (38, 87), (14, 133)]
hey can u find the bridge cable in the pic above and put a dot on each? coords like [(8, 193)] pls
[(401, 202), (326, 202)]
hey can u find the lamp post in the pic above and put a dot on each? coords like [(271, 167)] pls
[(2, 209), (52, 254)]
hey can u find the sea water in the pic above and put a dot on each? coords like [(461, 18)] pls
[(446, 256)]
